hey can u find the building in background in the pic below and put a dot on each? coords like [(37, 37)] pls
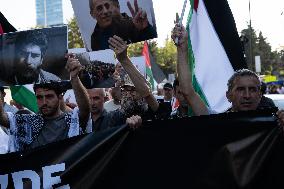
[(49, 12)]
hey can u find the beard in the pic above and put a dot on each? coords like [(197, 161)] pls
[(131, 107), (27, 74), (48, 111)]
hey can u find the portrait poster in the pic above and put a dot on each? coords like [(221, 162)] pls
[(33, 56), (114, 17)]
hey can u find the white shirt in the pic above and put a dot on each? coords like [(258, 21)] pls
[(4, 141), (111, 106)]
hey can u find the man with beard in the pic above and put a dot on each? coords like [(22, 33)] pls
[(30, 48), (51, 124)]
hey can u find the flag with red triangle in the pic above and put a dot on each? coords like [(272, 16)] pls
[(149, 73)]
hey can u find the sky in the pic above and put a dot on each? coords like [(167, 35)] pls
[(265, 16)]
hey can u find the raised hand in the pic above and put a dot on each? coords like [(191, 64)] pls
[(139, 16), (180, 33), (73, 65), (119, 47)]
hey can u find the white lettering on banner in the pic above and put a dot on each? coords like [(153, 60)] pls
[(27, 174), (3, 181), (47, 180)]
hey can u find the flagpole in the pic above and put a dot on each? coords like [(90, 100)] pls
[(45, 14), (250, 44), (181, 17)]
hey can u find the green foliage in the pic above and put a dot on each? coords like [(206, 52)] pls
[(271, 62), (74, 35), (135, 49), (165, 56)]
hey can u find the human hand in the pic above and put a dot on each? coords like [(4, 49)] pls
[(134, 122), (139, 16), (280, 116), (119, 47), (179, 34), (73, 65)]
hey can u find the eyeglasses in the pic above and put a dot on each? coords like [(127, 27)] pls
[(128, 89)]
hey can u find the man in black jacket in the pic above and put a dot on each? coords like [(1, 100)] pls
[(111, 22)]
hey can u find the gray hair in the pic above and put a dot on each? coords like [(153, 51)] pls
[(91, 4), (241, 73)]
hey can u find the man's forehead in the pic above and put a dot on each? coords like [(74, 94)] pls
[(32, 48), (95, 92), (44, 91), (128, 88), (101, 2), (247, 80)]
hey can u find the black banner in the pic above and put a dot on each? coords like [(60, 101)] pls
[(231, 150)]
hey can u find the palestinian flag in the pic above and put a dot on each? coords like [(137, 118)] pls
[(23, 95), (1, 29), (5, 26), (214, 50), (149, 73)]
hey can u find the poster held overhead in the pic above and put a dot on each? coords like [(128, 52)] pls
[(33, 56), (98, 68), (102, 70), (99, 20)]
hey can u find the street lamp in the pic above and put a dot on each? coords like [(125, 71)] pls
[(243, 40)]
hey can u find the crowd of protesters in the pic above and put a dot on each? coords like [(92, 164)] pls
[(129, 102), (274, 88)]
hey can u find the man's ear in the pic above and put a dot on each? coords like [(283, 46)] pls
[(41, 60), (260, 94), (229, 96), (60, 97), (92, 14)]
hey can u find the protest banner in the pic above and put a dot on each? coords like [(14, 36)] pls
[(230, 150)]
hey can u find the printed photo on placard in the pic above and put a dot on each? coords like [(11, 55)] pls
[(33, 56), (98, 20), (98, 68)]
